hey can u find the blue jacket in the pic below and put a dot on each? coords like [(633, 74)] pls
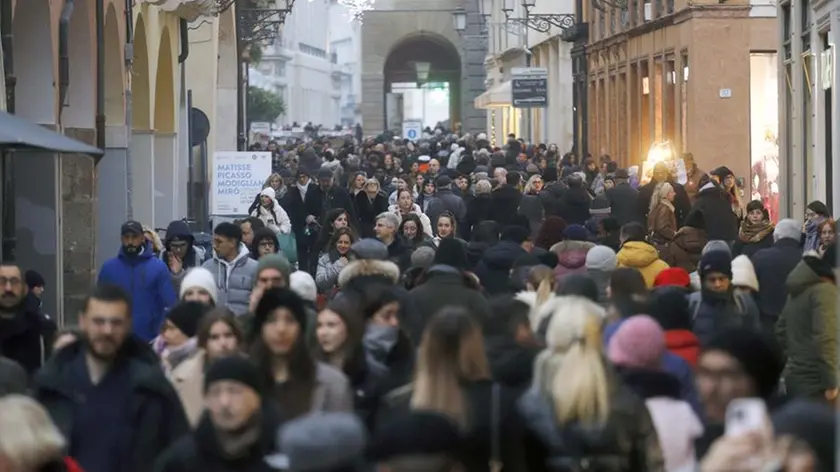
[(147, 280), (672, 364)]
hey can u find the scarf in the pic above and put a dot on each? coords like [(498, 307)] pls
[(175, 356), (235, 444), (754, 232), (302, 189)]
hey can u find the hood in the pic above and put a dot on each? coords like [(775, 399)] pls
[(180, 230), (511, 363), (572, 247), (803, 277), (637, 254), (475, 251), (577, 196), (503, 255), (691, 239), (243, 254), (367, 268), (649, 384), (147, 253)]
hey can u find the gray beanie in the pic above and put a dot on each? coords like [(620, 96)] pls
[(274, 261), (787, 229), (423, 257), (319, 442), (716, 245), (369, 249), (601, 258)]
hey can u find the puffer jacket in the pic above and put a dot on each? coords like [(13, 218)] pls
[(274, 218), (234, 279), (807, 330), (627, 442), (330, 265), (571, 258), (714, 313), (684, 251), (643, 257)]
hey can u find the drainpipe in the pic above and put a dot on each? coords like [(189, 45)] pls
[(6, 158), (129, 62), (185, 42), (64, 55), (100, 74)]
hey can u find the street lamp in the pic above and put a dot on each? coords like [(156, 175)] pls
[(459, 19), (528, 4), (422, 69)]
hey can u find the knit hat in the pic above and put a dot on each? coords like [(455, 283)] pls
[(668, 305), (279, 298), (34, 279), (452, 253), (575, 233), (303, 284), (600, 205), (676, 276), (601, 258), (320, 442), (236, 368), (743, 273), (715, 261), (546, 258), (423, 257), (186, 316), (516, 234), (638, 343), (13, 378), (760, 357), (716, 245), (813, 423), (274, 261), (199, 277), (369, 249), (415, 433), (268, 192)]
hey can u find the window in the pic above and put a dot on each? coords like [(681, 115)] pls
[(281, 69), (828, 93), (684, 102)]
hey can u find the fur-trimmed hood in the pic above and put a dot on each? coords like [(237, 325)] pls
[(368, 268), (537, 313)]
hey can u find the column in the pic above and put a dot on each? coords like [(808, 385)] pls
[(142, 176), (164, 172), (111, 184), (834, 108)]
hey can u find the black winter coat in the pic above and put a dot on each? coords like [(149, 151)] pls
[(368, 210), (772, 267), (720, 222), (624, 204), (574, 207), (445, 286), (299, 208), (478, 209), (338, 197), (27, 338), (494, 269), (200, 450), (511, 363), (505, 204), (154, 412)]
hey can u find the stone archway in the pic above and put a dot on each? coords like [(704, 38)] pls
[(165, 138), (142, 135), (141, 119), (445, 66), (80, 111), (35, 90), (114, 71)]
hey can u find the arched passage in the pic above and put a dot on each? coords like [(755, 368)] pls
[(227, 74), (164, 88), (80, 109), (444, 61), (140, 103), (35, 94), (114, 85)]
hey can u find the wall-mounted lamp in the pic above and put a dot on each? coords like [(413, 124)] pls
[(459, 20), (538, 22), (645, 86)]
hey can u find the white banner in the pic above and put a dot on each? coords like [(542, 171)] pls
[(237, 177)]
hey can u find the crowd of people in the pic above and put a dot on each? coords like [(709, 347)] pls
[(442, 306)]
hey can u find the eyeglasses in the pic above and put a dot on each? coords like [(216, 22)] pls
[(13, 281)]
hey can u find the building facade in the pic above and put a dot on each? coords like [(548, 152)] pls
[(345, 43), (809, 32), (397, 35), (687, 75), (68, 208)]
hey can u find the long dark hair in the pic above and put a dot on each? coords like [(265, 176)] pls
[(355, 364), (421, 233), (295, 394), (326, 233)]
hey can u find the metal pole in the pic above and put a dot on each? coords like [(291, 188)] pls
[(527, 64), (129, 106), (191, 213), (7, 157), (240, 84)]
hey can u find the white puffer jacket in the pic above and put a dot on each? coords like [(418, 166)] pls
[(276, 219)]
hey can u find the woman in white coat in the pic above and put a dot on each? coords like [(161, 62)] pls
[(271, 213)]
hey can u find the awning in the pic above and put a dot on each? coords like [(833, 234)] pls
[(498, 96), (18, 133)]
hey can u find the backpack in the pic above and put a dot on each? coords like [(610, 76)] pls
[(739, 303)]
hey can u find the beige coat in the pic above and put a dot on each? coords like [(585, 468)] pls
[(188, 380)]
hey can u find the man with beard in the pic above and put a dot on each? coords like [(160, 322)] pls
[(25, 334), (145, 277), (107, 393), (237, 431)]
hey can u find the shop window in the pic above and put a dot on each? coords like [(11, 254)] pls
[(808, 125), (764, 128), (787, 21), (684, 102), (788, 123), (828, 94), (645, 131)]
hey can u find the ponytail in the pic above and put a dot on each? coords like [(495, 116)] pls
[(580, 389), (544, 291)]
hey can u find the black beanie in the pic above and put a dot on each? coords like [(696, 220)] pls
[(516, 234), (279, 298), (715, 261), (186, 316), (452, 253), (237, 368), (758, 355)]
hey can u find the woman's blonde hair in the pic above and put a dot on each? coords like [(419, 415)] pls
[(571, 371), (271, 177), (660, 194), (482, 187), (541, 280), (371, 181), (152, 236), (451, 352), (28, 437)]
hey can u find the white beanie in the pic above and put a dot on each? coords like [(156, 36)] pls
[(268, 192), (481, 136), (743, 273), (601, 258), (304, 285), (199, 277)]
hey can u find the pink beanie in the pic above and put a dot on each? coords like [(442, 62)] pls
[(638, 343)]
